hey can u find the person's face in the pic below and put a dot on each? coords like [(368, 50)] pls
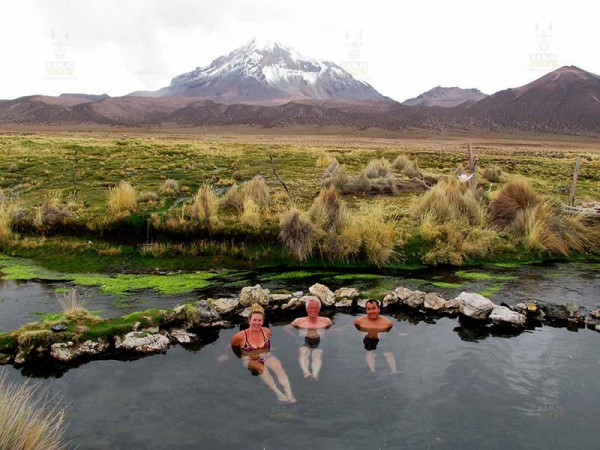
[(372, 311), (313, 309), (256, 321)]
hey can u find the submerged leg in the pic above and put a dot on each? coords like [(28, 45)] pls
[(317, 362), (370, 358), (391, 360), (303, 353), (275, 365), (270, 382)]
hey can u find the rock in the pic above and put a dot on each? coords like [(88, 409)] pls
[(344, 303), (176, 310), (597, 328), (297, 294), (390, 299), (68, 351), (224, 305), (562, 313), (346, 292), (591, 321), (529, 310), (433, 301), (503, 316), (254, 294), (20, 357), (140, 342), (574, 312), (206, 312), (245, 313), (182, 336), (324, 293), (279, 297), (453, 305), (295, 302), (402, 293), (595, 314), (415, 299), (362, 303), (475, 306)]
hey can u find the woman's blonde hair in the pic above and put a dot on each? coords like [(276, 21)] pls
[(256, 309)]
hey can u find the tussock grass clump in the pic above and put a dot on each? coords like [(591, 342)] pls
[(233, 200), (5, 223), (154, 249), (73, 306), (377, 232), (251, 214), (54, 210), (29, 418), (258, 191), (13, 168), (492, 174), (514, 197), (407, 166), (122, 198), (148, 197), (328, 210), (335, 175), (297, 234), (205, 206), (362, 182), (169, 187), (450, 201), (378, 168), (325, 159)]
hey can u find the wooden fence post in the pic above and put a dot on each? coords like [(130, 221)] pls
[(472, 166), (574, 183)]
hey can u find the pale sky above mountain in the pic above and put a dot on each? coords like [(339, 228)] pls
[(119, 46)]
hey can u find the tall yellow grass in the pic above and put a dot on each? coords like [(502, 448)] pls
[(5, 223), (122, 198), (251, 214), (297, 234), (206, 206), (258, 191), (29, 419)]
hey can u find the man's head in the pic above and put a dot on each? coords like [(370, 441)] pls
[(373, 309), (313, 306)]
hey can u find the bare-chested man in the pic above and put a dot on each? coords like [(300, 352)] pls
[(311, 328), (373, 324)]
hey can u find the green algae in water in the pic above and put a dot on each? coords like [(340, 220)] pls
[(483, 276), (444, 285), (491, 290), (357, 277), (297, 275)]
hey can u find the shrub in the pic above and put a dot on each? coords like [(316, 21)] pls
[(72, 306), (258, 191), (335, 175), (379, 168), (328, 210), (53, 210), (233, 200), (407, 166), (377, 232), (122, 198), (28, 419), (325, 159), (297, 234), (362, 182), (514, 197), (492, 174), (205, 206), (169, 187), (251, 214), (450, 201)]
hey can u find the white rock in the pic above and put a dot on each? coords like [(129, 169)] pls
[(344, 303), (279, 297), (68, 351), (402, 293), (324, 293), (453, 304), (254, 294), (475, 306), (245, 313), (390, 299), (182, 336), (296, 302), (142, 342), (415, 299), (224, 305), (346, 292), (297, 294), (434, 301), (501, 315), (362, 303)]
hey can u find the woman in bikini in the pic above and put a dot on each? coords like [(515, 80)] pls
[(253, 346)]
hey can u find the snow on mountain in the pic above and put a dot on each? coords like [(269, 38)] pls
[(266, 71)]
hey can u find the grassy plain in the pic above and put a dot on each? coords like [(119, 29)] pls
[(74, 169)]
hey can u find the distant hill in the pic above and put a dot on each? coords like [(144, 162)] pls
[(446, 97)]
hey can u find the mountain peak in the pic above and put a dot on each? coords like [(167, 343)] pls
[(447, 97), (264, 70)]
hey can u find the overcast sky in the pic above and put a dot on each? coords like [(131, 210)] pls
[(119, 46)]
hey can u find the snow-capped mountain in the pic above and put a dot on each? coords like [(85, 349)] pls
[(266, 71)]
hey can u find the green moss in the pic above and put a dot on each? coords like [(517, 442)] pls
[(357, 277), (297, 275), (61, 290), (8, 343), (483, 276), (120, 326), (444, 285)]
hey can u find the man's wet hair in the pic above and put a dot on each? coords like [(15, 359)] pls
[(372, 300), (312, 299)]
